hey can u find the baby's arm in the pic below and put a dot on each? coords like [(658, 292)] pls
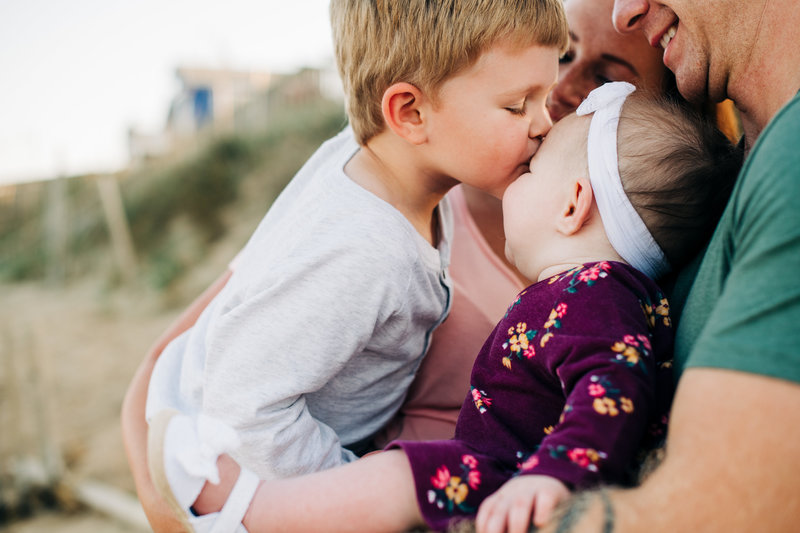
[(595, 441), (518, 501)]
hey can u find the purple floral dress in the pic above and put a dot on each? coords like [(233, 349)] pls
[(574, 382)]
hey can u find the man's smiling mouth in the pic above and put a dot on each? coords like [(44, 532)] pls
[(668, 35)]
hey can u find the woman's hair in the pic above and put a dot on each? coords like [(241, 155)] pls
[(677, 169), (425, 42)]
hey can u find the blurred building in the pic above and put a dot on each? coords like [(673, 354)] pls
[(209, 98), (226, 100)]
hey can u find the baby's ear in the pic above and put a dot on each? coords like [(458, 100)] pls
[(402, 112), (577, 208)]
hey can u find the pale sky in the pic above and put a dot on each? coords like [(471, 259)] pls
[(74, 75)]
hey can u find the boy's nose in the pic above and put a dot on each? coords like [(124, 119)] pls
[(540, 123), (628, 14)]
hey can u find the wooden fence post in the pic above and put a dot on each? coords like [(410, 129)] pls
[(118, 228), (56, 230)]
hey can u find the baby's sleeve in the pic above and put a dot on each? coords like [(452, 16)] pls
[(608, 373)]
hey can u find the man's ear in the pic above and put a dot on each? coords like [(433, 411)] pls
[(577, 208), (402, 112)]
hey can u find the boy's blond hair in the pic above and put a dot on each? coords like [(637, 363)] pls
[(425, 42)]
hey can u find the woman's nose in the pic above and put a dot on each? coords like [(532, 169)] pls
[(572, 88)]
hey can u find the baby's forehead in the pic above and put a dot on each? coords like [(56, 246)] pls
[(570, 129)]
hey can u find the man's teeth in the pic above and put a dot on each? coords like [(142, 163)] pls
[(667, 37)]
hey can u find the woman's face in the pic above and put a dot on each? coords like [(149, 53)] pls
[(598, 54)]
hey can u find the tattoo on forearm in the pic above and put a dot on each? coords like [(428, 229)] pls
[(608, 512), (577, 508), (574, 511)]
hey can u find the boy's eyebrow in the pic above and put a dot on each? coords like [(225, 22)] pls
[(519, 91), (608, 57)]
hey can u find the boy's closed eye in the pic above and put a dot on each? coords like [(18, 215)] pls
[(517, 109)]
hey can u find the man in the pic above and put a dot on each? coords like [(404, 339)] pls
[(732, 461)]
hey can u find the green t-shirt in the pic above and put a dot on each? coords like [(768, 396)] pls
[(743, 310)]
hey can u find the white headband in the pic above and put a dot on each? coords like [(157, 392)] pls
[(627, 233)]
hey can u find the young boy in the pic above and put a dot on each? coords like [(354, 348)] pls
[(573, 383), (310, 347)]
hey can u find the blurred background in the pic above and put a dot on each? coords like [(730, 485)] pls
[(141, 141)]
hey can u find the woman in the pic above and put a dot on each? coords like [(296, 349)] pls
[(484, 282)]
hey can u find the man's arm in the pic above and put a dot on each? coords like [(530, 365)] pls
[(731, 464), (134, 426)]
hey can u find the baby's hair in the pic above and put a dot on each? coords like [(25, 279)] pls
[(425, 42), (677, 169)]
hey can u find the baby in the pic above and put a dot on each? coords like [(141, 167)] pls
[(572, 385)]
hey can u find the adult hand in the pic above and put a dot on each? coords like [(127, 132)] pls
[(518, 502), (731, 463)]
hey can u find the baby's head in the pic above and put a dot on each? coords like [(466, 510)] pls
[(677, 170), (660, 175), (424, 43)]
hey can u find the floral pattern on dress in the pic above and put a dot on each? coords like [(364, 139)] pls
[(479, 398), (588, 275), (587, 458), (515, 302), (658, 311), (450, 492), (527, 462), (608, 399), (631, 350), (564, 275), (519, 343), (553, 321)]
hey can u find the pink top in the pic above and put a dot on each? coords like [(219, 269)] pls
[(483, 288)]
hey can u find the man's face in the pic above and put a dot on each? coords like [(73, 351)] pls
[(704, 42)]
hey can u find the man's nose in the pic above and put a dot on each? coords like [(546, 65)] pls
[(628, 14)]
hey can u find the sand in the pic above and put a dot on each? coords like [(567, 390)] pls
[(67, 355)]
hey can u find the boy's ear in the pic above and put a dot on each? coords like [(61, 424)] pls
[(577, 208), (402, 112)]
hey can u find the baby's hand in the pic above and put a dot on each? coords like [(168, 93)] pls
[(518, 501)]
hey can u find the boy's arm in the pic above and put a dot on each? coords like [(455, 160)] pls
[(731, 463), (290, 338), (134, 426)]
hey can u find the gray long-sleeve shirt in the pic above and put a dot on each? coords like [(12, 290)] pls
[(315, 338)]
